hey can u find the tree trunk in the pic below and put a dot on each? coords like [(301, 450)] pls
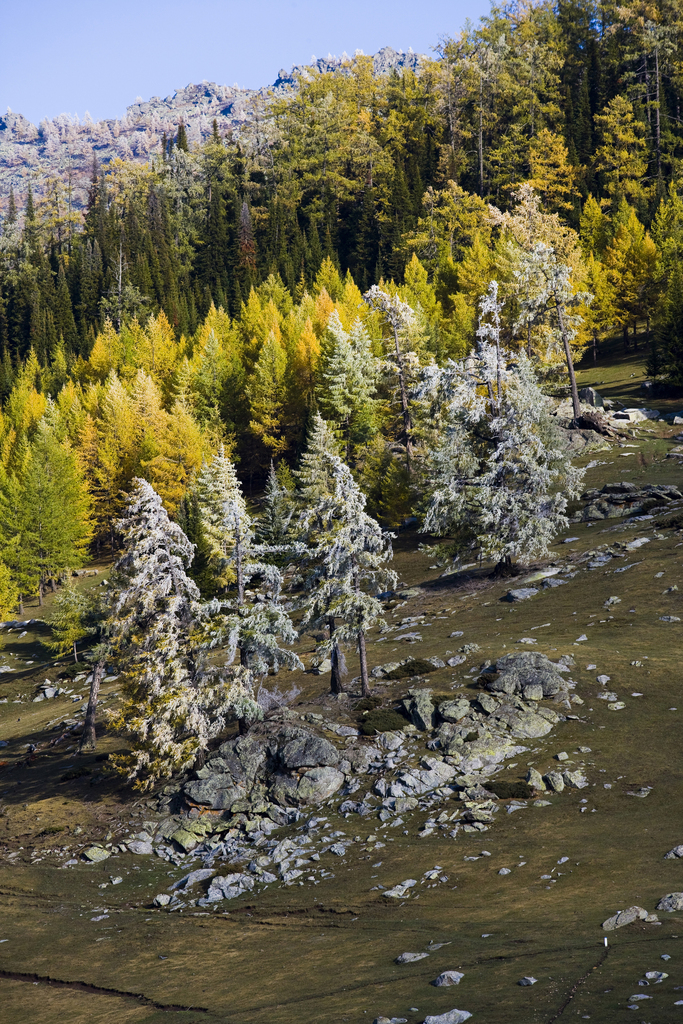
[(88, 737), (335, 677), (658, 130), (635, 337), (40, 593), (21, 604), (365, 685), (570, 363), (595, 347), (53, 584), (75, 653)]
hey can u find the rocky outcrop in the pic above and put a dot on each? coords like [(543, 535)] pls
[(528, 673), (615, 500)]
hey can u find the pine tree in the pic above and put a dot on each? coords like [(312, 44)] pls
[(46, 515), (346, 381), (501, 474), (314, 477), (176, 700), (181, 138), (69, 621), (347, 552), (274, 523), (215, 485)]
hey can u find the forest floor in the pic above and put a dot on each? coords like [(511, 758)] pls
[(74, 946)]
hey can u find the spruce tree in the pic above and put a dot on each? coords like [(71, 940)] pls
[(69, 621), (347, 555), (176, 699), (217, 484), (347, 376)]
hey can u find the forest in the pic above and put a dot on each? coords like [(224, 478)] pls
[(278, 346)]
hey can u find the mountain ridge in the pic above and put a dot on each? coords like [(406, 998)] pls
[(65, 145)]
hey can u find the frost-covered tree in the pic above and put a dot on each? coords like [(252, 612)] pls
[(402, 322), (314, 477), (347, 377), (347, 555), (217, 484), (553, 300), (274, 523), (501, 473), (176, 700)]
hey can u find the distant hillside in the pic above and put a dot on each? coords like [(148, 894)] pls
[(64, 145)]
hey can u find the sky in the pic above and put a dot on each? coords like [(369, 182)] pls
[(81, 55)]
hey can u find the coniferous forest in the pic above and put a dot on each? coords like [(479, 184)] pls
[(379, 276)]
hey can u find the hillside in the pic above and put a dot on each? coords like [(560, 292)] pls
[(66, 146)]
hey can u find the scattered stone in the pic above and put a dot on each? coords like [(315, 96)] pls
[(528, 980), (676, 852), (562, 756), (575, 780), (625, 917), (555, 781), (452, 1017), (671, 902), (656, 977), (140, 847), (410, 958), (535, 779), (95, 854), (162, 899), (447, 978), (520, 594), (504, 871), (669, 618)]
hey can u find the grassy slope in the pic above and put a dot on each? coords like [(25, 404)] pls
[(325, 953)]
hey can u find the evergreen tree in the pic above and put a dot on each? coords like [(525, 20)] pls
[(217, 484), (69, 621), (314, 477), (347, 552), (501, 474), (175, 700), (346, 381), (274, 523)]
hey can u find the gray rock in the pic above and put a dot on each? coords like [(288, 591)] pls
[(140, 847), (310, 752), (217, 791), (194, 876), (420, 709), (161, 900), (520, 594), (627, 916), (95, 854), (591, 397), (672, 901), (530, 725), (456, 660), (676, 852), (575, 780), (528, 980), (514, 672), (535, 779), (318, 785), (323, 667), (410, 958), (454, 710), (447, 978), (451, 1017), (555, 781)]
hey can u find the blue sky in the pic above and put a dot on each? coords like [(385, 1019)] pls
[(71, 56)]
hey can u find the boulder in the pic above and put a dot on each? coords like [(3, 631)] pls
[(555, 781), (318, 785), (451, 1017), (517, 671), (95, 854), (140, 847), (520, 594), (310, 752), (454, 710), (420, 709), (672, 901), (410, 958), (676, 852), (447, 978), (535, 779), (625, 917), (575, 780), (218, 792)]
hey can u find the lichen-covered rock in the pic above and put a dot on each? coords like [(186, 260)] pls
[(627, 916), (420, 709), (514, 672), (218, 792), (672, 901), (454, 710), (535, 779), (318, 785), (310, 752), (95, 854), (555, 781)]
